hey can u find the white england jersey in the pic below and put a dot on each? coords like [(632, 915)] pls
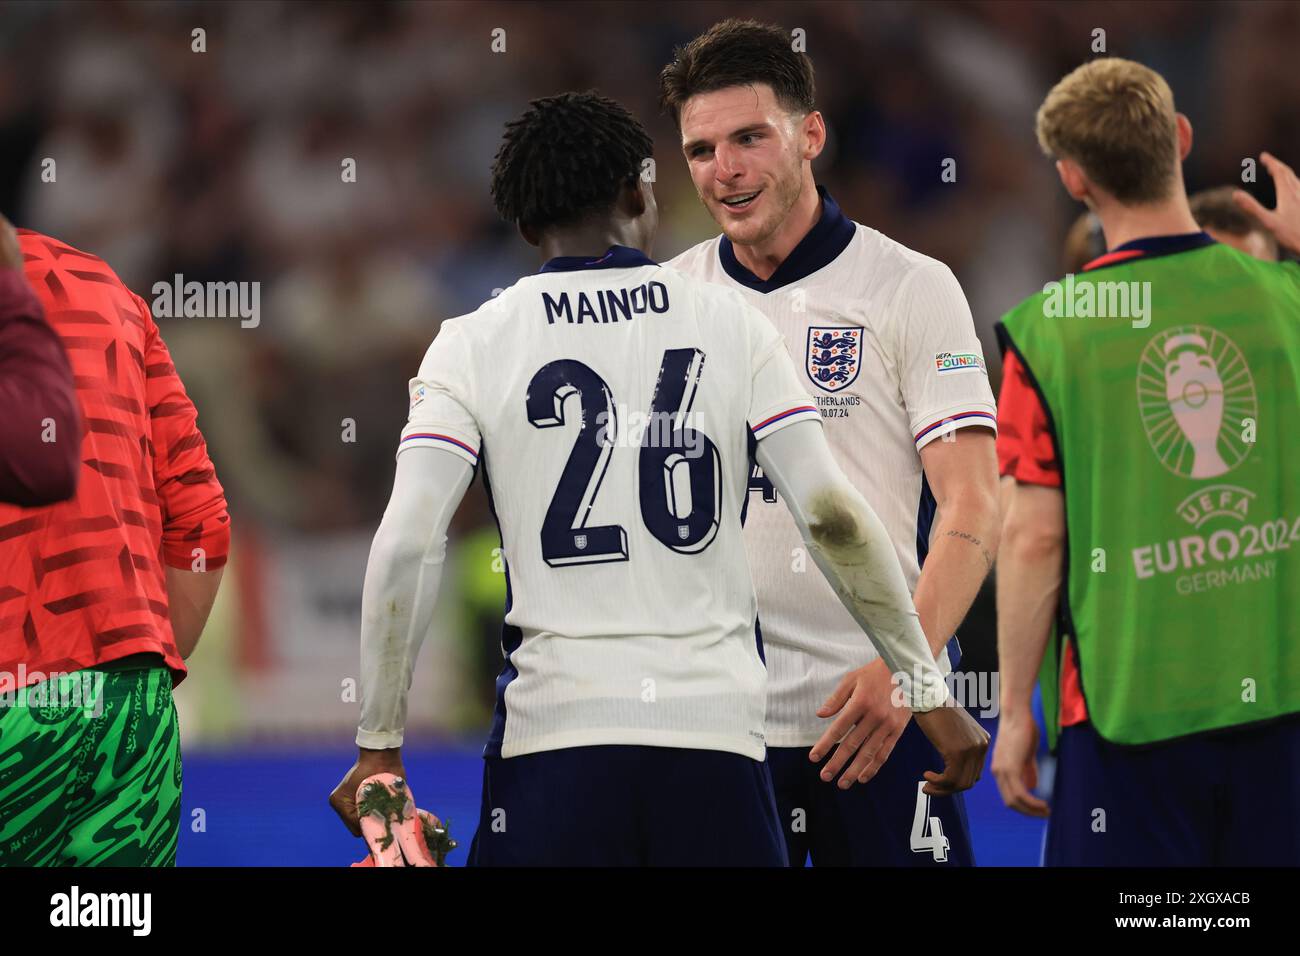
[(611, 404), (885, 342)]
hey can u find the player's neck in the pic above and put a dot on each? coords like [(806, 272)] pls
[(764, 258), (1170, 217), (590, 242)]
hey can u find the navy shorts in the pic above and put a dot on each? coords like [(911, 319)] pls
[(627, 806), (886, 822), (1231, 798)]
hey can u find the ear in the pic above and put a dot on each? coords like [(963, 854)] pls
[(530, 235), (814, 135), (632, 197), (1074, 180), (1184, 136)]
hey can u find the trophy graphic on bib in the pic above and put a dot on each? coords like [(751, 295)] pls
[(1195, 393)]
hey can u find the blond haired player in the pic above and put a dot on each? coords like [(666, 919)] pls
[(1151, 480)]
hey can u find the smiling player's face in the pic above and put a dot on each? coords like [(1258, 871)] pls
[(745, 153)]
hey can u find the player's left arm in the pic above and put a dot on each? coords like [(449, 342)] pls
[(945, 388), (963, 476), (397, 604), (436, 458)]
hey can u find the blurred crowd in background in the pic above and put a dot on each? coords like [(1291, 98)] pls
[(225, 165)]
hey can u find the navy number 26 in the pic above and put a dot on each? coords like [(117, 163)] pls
[(687, 459)]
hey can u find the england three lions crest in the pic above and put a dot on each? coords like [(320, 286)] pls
[(834, 357)]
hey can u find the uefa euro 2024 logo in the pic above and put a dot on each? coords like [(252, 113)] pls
[(1194, 393)]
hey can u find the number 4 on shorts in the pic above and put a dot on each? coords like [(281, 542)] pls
[(927, 831)]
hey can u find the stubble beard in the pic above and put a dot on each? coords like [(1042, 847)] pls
[(783, 194)]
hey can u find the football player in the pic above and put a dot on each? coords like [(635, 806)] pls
[(610, 406), (883, 338)]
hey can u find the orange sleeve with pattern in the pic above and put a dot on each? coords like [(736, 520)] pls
[(190, 497)]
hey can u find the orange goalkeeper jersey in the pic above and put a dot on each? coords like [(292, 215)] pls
[(82, 582)]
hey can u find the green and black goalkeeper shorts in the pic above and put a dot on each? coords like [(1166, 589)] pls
[(90, 769)]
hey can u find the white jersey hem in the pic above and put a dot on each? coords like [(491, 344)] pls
[(796, 738)]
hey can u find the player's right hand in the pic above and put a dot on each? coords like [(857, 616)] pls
[(1284, 221), (961, 742), (867, 725), (369, 762), (11, 254), (1015, 763)]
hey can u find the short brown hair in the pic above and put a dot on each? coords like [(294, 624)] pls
[(1116, 119), (738, 53), (1214, 209)]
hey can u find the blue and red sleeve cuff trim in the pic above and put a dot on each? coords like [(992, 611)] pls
[(966, 418), (434, 436), (770, 423)]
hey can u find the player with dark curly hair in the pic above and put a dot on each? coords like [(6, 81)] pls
[(565, 160), (612, 405)]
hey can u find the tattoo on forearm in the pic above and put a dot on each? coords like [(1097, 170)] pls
[(988, 558)]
